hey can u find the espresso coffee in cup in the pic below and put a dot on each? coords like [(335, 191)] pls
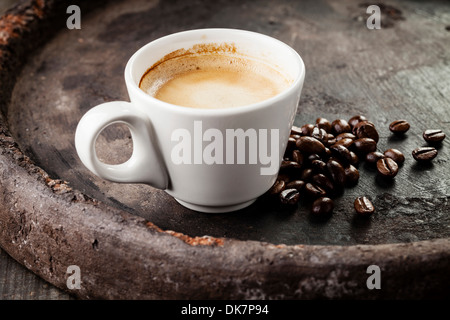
[(210, 114), (212, 76)]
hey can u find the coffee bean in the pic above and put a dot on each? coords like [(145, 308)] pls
[(324, 124), (307, 129), (365, 145), (366, 129), (387, 167), (289, 196), (277, 187), (346, 142), (289, 166), (364, 206), (395, 155), (319, 134), (342, 153), (314, 191), (399, 126), (290, 147), (296, 184), (424, 154), (351, 176), (330, 141), (354, 159), (356, 126), (339, 126), (297, 156), (296, 130), (433, 135), (318, 166), (356, 119), (373, 157), (322, 206), (324, 182), (310, 145), (346, 135), (306, 174), (337, 174)]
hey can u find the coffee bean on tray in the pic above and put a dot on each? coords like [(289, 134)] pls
[(289, 196), (322, 206), (339, 126), (364, 206), (433, 135), (424, 154), (373, 157), (395, 155), (366, 129), (399, 126), (356, 119), (387, 167), (310, 145)]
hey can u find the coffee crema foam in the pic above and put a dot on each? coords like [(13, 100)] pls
[(213, 81)]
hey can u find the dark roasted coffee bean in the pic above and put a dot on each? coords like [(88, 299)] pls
[(310, 145), (387, 167), (356, 119), (399, 126), (324, 124), (322, 206), (339, 126), (424, 154), (354, 159), (277, 187), (342, 153), (318, 166), (295, 136), (296, 184), (366, 129), (327, 153), (364, 206), (346, 135), (365, 145), (289, 196), (291, 143), (296, 130), (290, 147), (433, 135), (351, 176), (395, 155), (346, 142), (355, 128), (307, 129), (373, 157), (337, 174), (314, 191), (313, 157), (289, 166), (297, 156), (324, 182), (306, 174), (319, 134)]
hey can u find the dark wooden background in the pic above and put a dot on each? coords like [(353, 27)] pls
[(401, 71)]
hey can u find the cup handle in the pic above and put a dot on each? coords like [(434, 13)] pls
[(144, 165)]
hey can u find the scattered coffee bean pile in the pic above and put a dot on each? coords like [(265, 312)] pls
[(321, 160)]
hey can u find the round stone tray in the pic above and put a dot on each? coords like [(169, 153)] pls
[(136, 242)]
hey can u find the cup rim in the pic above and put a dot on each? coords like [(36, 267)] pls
[(132, 85)]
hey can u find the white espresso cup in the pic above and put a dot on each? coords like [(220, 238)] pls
[(209, 160)]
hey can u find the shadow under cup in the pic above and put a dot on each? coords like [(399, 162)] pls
[(219, 160)]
